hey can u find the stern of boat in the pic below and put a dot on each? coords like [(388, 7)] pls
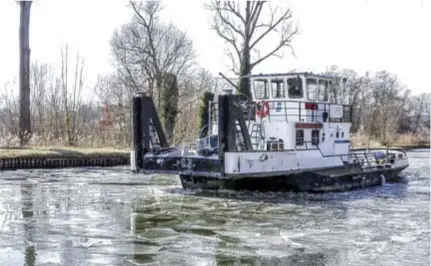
[(390, 160), (151, 153)]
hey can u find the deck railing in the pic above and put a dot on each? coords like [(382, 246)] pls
[(291, 110), (365, 159), (304, 111)]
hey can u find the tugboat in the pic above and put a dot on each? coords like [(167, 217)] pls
[(289, 136)]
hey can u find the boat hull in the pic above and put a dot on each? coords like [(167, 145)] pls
[(317, 182)]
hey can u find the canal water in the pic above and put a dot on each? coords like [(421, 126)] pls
[(99, 216)]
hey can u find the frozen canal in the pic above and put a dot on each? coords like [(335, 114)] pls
[(112, 217)]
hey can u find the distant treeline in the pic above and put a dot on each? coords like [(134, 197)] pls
[(383, 109)]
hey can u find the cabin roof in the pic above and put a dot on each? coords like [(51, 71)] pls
[(290, 74)]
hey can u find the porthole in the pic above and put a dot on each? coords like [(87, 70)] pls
[(337, 135), (342, 134), (332, 135)]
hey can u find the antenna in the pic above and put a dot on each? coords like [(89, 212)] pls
[(228, 80)]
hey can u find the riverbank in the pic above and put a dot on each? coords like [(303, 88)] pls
[(56, 157), (403, 147), (62, 156), (60, 152)]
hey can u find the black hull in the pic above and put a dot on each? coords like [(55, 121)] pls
[(304, 182)]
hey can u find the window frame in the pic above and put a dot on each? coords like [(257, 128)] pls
[(296, 82), (266, 89), (275, 82), (316, 93), (301, 142), (325, 90)]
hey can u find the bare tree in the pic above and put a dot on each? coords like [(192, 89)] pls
[(71, 94), (114, 91), (10, 109), (354, 91), (147, 47), (416, 117), (24, 72), (195, 84), (40, 78), (244, 29), (387, 99), (127, 62)]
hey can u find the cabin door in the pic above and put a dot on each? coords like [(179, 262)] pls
[(328, 141)]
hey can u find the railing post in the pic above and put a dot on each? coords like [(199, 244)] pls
[(209, 123), (316, 112), (269, 113), (357, 159), (366, 158), (299, 105)]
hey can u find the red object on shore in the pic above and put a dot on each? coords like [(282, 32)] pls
[(106, 117)]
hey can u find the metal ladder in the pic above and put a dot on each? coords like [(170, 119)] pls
[(257, 136), (240, 142)]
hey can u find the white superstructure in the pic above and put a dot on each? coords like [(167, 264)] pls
[(297, 126)]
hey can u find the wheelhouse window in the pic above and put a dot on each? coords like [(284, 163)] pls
[(261, 90), (294, 87), (315, 137), (323, 90), (277, 88), (312, 89), (299, 137), (334, 92)]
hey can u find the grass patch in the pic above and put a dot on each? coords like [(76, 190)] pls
[(61, 152)]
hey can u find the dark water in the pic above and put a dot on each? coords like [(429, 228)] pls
[(112, 217)]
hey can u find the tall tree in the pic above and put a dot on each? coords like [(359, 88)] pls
[(149, 48), (353, 91), (155, 57), (387, 98), (71, 94), (169, 110), (242, 28), (24, 72)]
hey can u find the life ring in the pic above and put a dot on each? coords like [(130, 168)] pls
[(262, 109)]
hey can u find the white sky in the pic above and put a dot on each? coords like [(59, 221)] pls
[(358, 34)]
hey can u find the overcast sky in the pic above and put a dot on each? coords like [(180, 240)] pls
[(360, 34)]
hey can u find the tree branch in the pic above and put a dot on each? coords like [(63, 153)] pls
[(229, 9), (283, 43), (286, 16), (256, 10)]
